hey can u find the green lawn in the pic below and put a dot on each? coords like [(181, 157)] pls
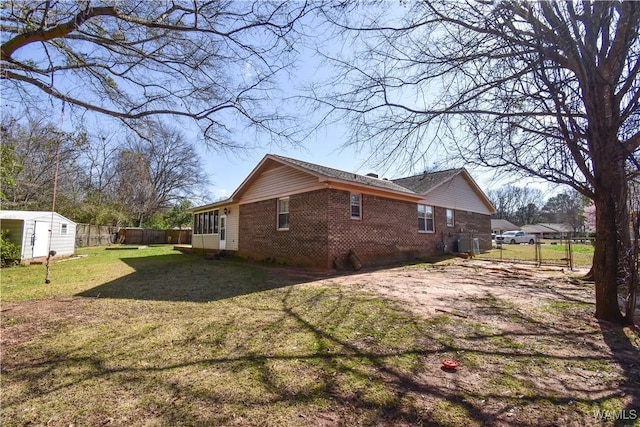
[(155, 337), (554, 254), (163, 338)]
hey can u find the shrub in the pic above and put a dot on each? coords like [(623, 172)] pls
[(9, 251)]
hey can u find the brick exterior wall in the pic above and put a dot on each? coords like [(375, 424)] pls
[(321, 230), (305, 243), (473, 225)]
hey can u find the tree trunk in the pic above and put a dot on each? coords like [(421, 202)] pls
[(630, 307), (589, 276), (612, 256)]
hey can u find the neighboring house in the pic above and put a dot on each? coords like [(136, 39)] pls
[(301, 213), (549, 230), (498, 226), (38, 232)]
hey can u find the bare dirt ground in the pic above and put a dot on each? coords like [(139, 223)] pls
[(450, 287), (531, 351)]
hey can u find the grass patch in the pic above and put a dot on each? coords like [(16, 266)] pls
[(562, 307), (452, 414), (164, 338), (554, 254)]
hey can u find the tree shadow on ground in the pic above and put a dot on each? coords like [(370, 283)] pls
[(187, 278), (617, 338), (365, 362), (311, 355), (192, 278)]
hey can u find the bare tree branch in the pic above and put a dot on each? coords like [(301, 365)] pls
[(209, 62)]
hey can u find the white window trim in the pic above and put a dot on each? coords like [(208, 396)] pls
[(359, 218), (278, 213), (453, 218), (433, 220), (64, 226)]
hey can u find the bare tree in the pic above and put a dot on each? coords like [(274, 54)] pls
[(516, 204), (214, 62), (135, 186), (156, 171), (175, 168), (99, 167), (634, 213), (38, 148), (546, 89)]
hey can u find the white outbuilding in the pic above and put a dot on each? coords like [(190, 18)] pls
[(38, 232)]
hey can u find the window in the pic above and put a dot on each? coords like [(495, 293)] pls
[(356, 206), (207, 223), (216, 220), (196, 224), (425, 219), (63, 228), (450, 220), (283, 213)]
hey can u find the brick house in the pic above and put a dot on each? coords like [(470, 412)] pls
[(301, 213)]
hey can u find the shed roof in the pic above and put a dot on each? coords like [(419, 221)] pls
[(30, 215)]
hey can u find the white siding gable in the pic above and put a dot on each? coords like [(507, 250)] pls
[(456, 193), (278, 182)]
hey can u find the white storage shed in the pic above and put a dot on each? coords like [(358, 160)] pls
[(37, 232)]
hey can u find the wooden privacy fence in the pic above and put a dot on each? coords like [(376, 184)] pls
[(145, 236), (95, 235), (101, 235)]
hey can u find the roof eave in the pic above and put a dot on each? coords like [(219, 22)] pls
[(371, 188), (210, 205)]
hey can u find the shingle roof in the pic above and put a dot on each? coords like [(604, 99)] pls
[(503, 224), (423, 183), (562, 228), (415, 187), (347, 176), (537, 228)]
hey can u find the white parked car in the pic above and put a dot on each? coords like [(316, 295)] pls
[(514, 237)]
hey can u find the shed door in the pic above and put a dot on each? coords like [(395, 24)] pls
[(223, 232), (40, 239)]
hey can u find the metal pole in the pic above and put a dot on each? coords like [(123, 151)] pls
[(51, 253)]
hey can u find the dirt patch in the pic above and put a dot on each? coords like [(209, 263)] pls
[(526, 339), (431, 290), (38, 316)]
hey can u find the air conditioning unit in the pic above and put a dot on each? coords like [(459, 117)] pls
[(466, 245)]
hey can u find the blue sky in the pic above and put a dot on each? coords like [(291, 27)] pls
[(326, 146)]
